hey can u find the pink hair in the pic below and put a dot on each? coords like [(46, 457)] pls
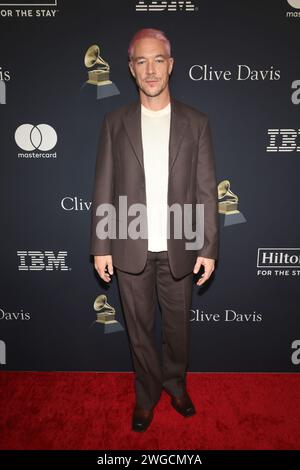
[(149, 33)]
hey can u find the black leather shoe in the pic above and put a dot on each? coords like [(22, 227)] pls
[(141, 419), (184, 405)]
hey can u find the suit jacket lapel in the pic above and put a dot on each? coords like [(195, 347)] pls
[(132, 123), (177, 131)]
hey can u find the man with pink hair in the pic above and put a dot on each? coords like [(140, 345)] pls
[(158, 152)]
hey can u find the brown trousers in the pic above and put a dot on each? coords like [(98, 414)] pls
[(138, 297)]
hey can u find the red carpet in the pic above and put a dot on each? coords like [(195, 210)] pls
[(88, 410)]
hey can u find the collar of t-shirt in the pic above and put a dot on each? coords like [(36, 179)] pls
[(160, 112)]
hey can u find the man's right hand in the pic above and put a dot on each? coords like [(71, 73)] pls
[(100, 263)]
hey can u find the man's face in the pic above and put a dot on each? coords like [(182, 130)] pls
[(151, 66)]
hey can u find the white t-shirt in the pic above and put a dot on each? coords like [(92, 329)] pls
[(155, 139)]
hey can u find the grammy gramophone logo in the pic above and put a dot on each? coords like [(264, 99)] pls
[(228, 204), (98, 75), (106, 315)]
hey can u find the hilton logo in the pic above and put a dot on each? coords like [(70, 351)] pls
[(24, 9), (281, 262), (165, 6), (28, 3), (42, 261)]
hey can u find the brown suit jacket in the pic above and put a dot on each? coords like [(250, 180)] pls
[(120, 171)]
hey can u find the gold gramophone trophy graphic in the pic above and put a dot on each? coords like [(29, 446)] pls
[(228, 204), (106, 315), (99, 75)]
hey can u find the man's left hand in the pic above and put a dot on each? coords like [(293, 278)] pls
[(209, 266)]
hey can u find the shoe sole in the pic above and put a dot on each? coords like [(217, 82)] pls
[(140, 430)]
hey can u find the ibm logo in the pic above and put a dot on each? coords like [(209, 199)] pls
[(42, 261), (2, 352), (165, 5), (283, 140)]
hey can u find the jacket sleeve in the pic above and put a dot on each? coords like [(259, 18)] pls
[(103, 188), (207, 193)]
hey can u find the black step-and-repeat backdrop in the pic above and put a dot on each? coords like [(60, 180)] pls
[(236, 61)]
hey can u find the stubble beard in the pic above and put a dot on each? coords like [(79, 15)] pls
[(154, 93)]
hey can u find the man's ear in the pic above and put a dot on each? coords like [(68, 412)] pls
[(171, 65), (131, 68)]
